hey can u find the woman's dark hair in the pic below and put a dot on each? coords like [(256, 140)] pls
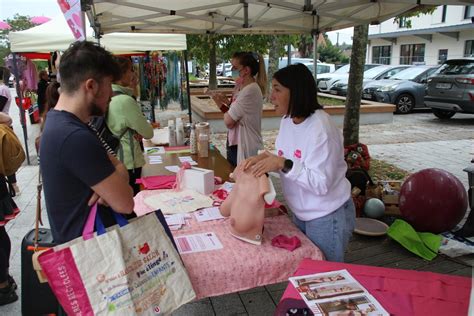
[(52, 97), (257, 67), (84, 60), (303, 93), (124, 64)]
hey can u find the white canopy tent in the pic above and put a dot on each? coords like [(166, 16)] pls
[(245, 16), (55, 35)]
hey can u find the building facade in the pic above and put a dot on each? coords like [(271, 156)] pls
[(446, 34)]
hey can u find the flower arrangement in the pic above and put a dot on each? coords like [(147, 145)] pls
[(357, 156)]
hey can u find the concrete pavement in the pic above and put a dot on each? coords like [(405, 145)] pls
[(411, 142)]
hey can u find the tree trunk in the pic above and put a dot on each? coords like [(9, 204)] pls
[(354, 89), (212, 63), (275, 47)]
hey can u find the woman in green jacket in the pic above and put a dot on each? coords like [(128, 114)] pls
[(125, 118)]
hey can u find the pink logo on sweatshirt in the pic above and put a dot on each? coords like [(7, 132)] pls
[(297, 153), (280, 152)]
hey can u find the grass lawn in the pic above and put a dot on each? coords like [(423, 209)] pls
[(330, 101)]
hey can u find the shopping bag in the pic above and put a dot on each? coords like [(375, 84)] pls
[(127, 269)]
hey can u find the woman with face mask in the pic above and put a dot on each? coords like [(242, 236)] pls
[(243, 112)]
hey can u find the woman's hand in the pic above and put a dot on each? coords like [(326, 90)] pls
[(249, 162), (268, 164), (220, 99)]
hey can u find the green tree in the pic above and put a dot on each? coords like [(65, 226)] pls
[(354, 89), (331, 54)]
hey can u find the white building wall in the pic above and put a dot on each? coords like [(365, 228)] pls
[(454, 16), (455, 47)]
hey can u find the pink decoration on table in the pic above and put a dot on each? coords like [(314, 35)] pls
[(239, 265), (158, 182), (400, 292), (285, 242)]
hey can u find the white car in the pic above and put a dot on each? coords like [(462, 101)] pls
[(326, 81)]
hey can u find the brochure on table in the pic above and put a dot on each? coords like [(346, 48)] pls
[(336, 293)]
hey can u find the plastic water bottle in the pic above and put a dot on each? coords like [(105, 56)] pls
[(193, 140), (171, 133), (179, 132)]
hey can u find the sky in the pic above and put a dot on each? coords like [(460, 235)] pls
[(50, 8)]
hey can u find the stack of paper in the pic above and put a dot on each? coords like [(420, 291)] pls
[(336, 293), (176, 221), (153, 160), (208, 214)]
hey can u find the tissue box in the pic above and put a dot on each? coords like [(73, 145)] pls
[(199, 179)]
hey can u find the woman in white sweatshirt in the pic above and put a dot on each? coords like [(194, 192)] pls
[(310, 159)]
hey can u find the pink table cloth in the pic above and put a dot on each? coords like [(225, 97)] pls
[(400, 292), (239, 265)]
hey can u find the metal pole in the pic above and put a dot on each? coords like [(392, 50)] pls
[(288, 49), (22, 111), (315, 55), (187, 86)]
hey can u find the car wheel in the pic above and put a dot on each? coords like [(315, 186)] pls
[(443, 114), (404, 104)]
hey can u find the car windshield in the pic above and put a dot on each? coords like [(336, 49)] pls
[(409, 73), (457, 67), (344, 69), (374, 72)]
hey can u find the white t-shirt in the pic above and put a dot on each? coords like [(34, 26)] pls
[(246, 110), (5, 92), (317, 183)]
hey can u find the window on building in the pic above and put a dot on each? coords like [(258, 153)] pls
[(402, 22), (469, 49), (412, 54), (442, 55), (381, 54), (468, 11), (443, 13)]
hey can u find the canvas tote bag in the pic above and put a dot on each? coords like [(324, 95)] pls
[(129, 269)]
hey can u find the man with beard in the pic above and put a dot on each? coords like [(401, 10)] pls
[(76, 169)]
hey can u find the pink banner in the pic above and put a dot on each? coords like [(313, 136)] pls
[(74, 17)]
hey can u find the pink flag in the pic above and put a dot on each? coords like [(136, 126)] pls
[(72, 13)]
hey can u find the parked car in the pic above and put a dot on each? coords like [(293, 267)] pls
[(322, 68), (376, 73), (325, 81), (451, 88), (405, 89)]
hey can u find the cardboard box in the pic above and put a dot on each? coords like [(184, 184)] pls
[(199, 179)]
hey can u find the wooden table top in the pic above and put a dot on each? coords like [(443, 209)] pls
[(215, 162)]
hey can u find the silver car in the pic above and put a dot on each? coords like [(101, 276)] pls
[(406, 89), (326, 81), (451, 88)]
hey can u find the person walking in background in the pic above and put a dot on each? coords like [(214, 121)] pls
[(310, 161), (125, 118), (77, 171), (244, 115), (5, 101), (41, 91)]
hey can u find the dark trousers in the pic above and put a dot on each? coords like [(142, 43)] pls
[(5, 248), (231, 154), (133, 175)]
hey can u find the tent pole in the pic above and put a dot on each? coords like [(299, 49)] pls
[(22, 111), (187, 85), (315, 55)]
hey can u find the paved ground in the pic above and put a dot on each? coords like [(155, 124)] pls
[(412, 142)]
